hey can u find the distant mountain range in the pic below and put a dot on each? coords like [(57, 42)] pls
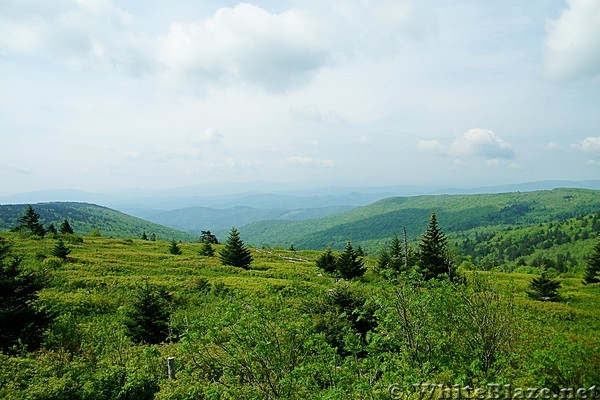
[(373, 224), (219, 207)]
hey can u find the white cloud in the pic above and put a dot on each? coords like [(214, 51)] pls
[(590, 144), (311, 162), (208, 136), (475, 142), (483, 143), (92, 34), (245, 43), (572, 46)]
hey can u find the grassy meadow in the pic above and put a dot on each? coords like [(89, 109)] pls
[(285, 329)]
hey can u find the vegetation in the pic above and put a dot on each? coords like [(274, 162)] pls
[(86, 218), (544, 288), (30, 220), (65, 227), (22, 319), (174, 248), (60, 250), (592, 272), (434, 259), (234, 252), (282, 328)]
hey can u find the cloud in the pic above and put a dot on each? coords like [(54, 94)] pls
[(312, 113), (81, 34), (572, 45), (475, 142), (309, 162), (590, 144), (208, 136), (245, 43)]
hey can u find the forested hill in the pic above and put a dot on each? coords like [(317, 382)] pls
[(88, 218), (373, 224)]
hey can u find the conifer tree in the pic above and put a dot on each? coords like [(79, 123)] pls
[(592, 271), (147, 320), (174, 248), (21, 319), (52, 229), (207, 250), (65, 227), (327, 262), (234, 252), (31, 220), (144, 236), (60, 250), (543, 288), (434, 259), (208, 237), (349, 265)]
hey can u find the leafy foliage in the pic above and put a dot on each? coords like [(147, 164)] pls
[(174, 248), (60, 250), (22, 320), (327, 262), (30, 220), (592, 272), (543, 288), (434, 259), (348, 264), (234, 252), (65, 227), (207, 250), (147, 320)]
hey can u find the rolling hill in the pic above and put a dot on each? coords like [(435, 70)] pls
[(85, 218), (373, 224)]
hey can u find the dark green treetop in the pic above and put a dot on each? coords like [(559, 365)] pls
[(21, 319), (234, 252), (592, 271), (174, 248), (434, 258), (65, 227), (147, 319), (349, 264), (31, 220), (543, 288), (327, 262), (207, 250), (207, 237), (60, 250)]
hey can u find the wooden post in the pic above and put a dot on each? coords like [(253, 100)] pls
[(171, 367)]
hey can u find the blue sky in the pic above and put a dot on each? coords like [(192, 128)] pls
[(101, 95)]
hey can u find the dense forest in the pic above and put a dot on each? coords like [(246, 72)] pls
[(93, 317)]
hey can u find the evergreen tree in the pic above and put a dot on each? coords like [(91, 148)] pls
[(234, 252), (144, 236), (349, 265), (52, 229), (31, 220), (60, 250), (147, 320), (65, 227), (174, 248), (544, 288), (327, 262), (208, 237), (592, 271), (21, 319), (207, 250), (434, 259), (153, 237)]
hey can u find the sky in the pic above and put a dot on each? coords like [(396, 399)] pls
[(102, 95)]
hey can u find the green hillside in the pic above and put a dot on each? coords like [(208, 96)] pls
[(86, 218), (373, 224), (283, 328)]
